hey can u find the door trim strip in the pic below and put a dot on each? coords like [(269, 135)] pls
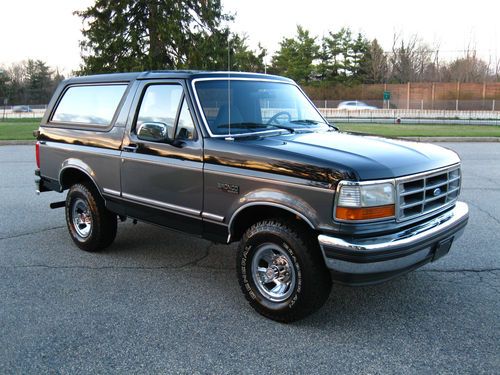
[(168, 206)]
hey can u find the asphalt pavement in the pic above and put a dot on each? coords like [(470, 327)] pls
[(158, 301)]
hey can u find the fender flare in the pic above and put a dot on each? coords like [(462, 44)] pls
[(252, 200), (79, 165)]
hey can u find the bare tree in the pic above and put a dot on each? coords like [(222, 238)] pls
[(469, 68), (412, 60)]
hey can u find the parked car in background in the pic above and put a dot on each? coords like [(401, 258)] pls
[(21, 108), (355, 105)]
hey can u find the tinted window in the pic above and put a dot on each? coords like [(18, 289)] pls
[(160, 104), (185, 127), (94, 105), (254, 106)]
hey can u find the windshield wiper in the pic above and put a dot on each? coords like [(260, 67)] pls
[(304, 121), (313, 122), (254, 125)]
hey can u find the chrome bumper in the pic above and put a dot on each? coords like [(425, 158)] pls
[(367, 260)]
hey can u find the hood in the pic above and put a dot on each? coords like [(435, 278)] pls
[(367, 156)]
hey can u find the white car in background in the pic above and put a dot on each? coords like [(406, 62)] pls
[(354, 105)]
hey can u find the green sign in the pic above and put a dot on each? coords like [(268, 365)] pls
[(387, 95)]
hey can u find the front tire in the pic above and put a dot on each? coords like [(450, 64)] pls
[(281, 271), (91, 226)]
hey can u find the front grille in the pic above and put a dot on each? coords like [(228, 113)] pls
[(424, 193)]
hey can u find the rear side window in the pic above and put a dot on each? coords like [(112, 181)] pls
[(91, 105)]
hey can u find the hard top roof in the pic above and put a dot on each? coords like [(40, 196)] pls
[(179, 74)]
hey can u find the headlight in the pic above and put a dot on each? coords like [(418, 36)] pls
[(364, 201)]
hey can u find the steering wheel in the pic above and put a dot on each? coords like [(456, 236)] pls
[(277, 115)]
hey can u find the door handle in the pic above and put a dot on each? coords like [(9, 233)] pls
[(130, 148)]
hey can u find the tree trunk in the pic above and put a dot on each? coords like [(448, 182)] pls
[(155, 49)]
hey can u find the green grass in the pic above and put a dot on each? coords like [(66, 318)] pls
[(18, 129), (437, 130), (22, 129)]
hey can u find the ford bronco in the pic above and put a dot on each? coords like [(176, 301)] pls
[(247, 157)]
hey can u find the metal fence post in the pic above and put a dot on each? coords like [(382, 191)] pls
[(408, 97)]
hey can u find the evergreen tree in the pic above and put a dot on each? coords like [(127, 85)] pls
[(375, 64), (343, 57), (39, 81), (128, 35), (295, 57)]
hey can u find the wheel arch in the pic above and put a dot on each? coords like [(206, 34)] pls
[(74, 171), (252, 212)]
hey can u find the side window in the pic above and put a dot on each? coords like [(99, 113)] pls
[(160, 104), (91, 105), (185, 127)]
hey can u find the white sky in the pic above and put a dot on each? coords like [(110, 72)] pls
[(47, 30)]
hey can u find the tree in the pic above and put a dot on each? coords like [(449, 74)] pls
[(4, 88), (343, 57), (410, 59), (375, 64), (212, 54), (245, 60), (295, 57), (39, 81), (358, 60), (469, 68), (28, 82), (129, 35)]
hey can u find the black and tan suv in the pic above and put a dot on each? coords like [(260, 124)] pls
[(247, 157)]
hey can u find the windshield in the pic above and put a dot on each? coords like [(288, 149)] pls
[(255, 106)]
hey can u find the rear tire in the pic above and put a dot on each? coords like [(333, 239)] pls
[(91, 226), (281, 271)]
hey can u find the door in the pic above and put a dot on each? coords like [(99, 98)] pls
[(162, 181)]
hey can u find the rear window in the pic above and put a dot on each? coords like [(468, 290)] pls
[(91, 105)]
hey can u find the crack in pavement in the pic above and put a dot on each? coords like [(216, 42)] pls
[(463, 270), (30, 233), (481, 189), (485, 212), (192, 263)]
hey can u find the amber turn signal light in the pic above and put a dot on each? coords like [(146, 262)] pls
[(365, 213)]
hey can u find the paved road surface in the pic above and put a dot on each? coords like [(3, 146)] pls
[(159, 301)]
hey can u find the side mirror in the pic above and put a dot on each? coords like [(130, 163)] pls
[(153, 132)]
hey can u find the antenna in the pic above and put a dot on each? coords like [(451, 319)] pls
[(229, 137)]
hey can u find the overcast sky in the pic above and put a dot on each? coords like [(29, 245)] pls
[(47, 30)]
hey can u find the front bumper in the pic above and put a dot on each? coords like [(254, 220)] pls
[(358, 261)]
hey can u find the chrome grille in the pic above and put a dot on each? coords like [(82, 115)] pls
[(424, 193)]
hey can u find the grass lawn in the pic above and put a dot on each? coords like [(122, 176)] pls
[(18, 129), (431, 130), (22, 129)]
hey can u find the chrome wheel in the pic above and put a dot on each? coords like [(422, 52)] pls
[(81, 218), (273, 272)]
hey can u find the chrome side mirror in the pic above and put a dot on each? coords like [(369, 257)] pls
[(153, 132)]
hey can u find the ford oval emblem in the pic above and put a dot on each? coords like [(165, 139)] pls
[(436, 192)]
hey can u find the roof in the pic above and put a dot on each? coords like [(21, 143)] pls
[(179, 74)]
